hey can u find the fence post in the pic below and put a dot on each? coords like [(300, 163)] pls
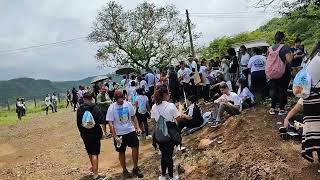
[(59, 98), (8, 104), (35, 102)]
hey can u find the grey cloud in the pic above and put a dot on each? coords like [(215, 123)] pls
[(32, 22)]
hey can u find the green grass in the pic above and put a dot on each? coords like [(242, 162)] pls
[(9, 117)]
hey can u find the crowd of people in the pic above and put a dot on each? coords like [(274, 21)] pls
[(174, 96)]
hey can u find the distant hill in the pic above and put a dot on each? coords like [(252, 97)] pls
[(30, 88)]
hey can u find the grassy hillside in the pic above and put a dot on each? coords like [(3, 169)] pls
[(294, 26)]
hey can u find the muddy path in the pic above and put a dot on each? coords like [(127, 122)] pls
[(49, 147)]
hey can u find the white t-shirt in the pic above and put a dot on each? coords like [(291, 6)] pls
[(244, 60), (121, 116), (233, 97), (257, 63), (168, 110), (150, 78), (185, 74), (190, 110), (131, 93), (47, 101), (141, 102), (143, 84), (204, 72), (245, 94), (313, 70), (194, 65)]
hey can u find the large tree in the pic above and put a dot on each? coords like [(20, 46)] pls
[(143, 38)]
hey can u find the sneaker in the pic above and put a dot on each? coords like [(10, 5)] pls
[(175, 178), (136, 172), (282, 112), (162, 178), (215, 124), (126, 174), (149, 137), (272, 111), (99, 177)]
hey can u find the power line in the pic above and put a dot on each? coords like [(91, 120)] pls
[(8, 51)]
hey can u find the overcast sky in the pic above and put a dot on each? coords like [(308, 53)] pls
[(32, 22)]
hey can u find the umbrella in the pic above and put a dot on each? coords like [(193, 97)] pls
[(98, 79), (125, 70)]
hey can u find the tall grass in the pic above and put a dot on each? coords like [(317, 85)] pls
[(8, 117)]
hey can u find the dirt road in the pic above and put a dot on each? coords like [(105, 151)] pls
[(49, 147), (246, 146)]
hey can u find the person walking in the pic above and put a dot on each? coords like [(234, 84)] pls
[(74, 99), (69, 97), (91, 136), (47, 102), (184, 78), (124, 127), (280, 85), (54, 102), (257, 65), (234, 67), (244, 60), (103, 102), (143, 108), (174, 85), (168, 111)]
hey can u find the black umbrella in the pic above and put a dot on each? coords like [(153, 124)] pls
[(125, 70), (98, 79)]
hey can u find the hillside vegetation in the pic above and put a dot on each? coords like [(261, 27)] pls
[(29, 88), (294, 26)]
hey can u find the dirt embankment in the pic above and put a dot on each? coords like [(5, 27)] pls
[(245, 147)]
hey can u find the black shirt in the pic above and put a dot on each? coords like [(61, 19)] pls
[(234, 65), (96, 131), (296, 62)]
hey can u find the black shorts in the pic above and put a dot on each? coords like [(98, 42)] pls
[(142, 117), (92, 145), (130, 140)]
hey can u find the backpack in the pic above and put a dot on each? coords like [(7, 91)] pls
[(275, 67), (302, 84), (161, 132), (88, 120)]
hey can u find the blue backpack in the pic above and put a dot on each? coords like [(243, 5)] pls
[(88, 120)]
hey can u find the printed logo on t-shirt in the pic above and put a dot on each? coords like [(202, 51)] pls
[(142, 106), (123, 114)]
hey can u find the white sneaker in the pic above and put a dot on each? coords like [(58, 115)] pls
[(149, 137), (162, 178), (175, 178)]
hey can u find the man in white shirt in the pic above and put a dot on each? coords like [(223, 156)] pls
[(229, 102), (184, 77), (124, 127), (151, 82), (192, 63), (245, 57)]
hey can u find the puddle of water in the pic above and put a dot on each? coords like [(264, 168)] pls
[(6, 149)]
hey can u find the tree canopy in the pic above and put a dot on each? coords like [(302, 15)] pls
[(145, 37)]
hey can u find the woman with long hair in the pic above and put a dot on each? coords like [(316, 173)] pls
[(167, 110)]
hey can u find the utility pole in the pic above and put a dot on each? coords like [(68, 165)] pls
[(190, 34)]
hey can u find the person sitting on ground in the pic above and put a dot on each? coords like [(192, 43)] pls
[(193, 118), (103, 102), (142, 114), (124, 127), (293, 114), (91, 136), (215, 91), (245, 94), (167, 110), (229, 102)]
